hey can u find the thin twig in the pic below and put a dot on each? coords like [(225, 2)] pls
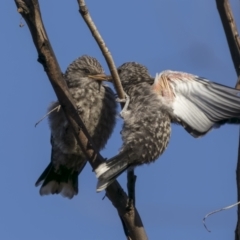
[(56, 108), (83, 10), (106, 53), (216, 211)]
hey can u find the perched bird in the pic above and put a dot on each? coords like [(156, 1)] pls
[(172, 97), (146, 129), (97, 108)]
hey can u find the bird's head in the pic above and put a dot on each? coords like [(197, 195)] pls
[(132, 73), (84, 68)]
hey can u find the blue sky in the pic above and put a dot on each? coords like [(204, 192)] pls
[(192, 177)]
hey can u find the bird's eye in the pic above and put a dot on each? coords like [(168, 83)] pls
[(86, 70), (119, 71)]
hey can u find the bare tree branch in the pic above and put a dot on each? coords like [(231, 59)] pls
[(83, 10), (231, 33), (30, 11), (106, 53), (233, 40), (217, 211)]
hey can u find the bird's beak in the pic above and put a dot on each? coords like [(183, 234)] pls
[(109, 78), (100, 77)]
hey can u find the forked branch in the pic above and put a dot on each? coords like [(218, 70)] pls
[(30, 11), (83, 10)]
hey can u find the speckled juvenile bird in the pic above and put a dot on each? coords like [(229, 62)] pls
[(194, 102), (146, 129), (97, 108)]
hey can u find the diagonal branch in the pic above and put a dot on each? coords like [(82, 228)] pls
[(30, 11), (83, 10), (233, 40), (106, 53)]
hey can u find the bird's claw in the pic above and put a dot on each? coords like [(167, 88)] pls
[(121, 100), (125, 108)]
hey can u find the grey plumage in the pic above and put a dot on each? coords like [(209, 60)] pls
[(97, 108), (146, 129)]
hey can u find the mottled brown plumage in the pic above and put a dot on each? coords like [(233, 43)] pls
[(97, 108), (146, 129)]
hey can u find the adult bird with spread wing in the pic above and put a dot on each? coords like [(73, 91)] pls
[(97, 108), (172, 97)]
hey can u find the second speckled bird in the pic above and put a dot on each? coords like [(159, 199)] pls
[(146, 129), (97, 108)]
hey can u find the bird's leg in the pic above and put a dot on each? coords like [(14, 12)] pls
[(131, 180), (126, 101)]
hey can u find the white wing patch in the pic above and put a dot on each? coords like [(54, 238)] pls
[(197, 103), (191, 114)]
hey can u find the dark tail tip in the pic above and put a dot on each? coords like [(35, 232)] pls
[(65, 182)]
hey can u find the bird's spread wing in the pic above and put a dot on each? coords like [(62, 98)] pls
[(197, 103)]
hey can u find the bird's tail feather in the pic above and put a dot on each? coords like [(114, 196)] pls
[(107, 172), (52, 182)]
